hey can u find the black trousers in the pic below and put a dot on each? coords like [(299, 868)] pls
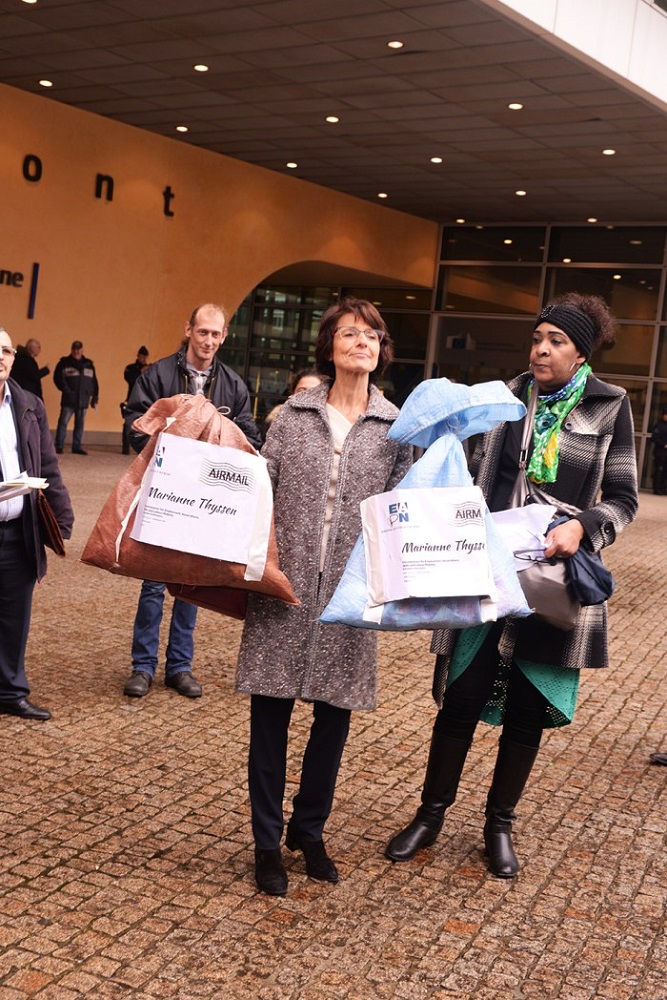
[(267, 764), (467, 695), (17, 582)]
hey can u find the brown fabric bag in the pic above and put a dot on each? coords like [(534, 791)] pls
[(196, 418)]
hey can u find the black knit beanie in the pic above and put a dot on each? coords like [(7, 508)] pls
[(578, 325)]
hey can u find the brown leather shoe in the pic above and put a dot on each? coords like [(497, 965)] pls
[(138, 684), (185, 684)]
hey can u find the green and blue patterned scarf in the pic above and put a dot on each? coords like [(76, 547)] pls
[(551, 412)]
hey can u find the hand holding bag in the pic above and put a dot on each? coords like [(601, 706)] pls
[(545, 582)]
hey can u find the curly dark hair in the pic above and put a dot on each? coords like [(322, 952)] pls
[(597, 309), (363, 311)]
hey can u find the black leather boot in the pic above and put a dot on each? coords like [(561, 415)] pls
[(513, 766), (445, 764)]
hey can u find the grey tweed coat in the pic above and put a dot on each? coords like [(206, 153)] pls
[(597, 472), (285, 652)]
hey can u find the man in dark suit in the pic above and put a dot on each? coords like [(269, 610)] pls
[(26, 371), (25, 446)]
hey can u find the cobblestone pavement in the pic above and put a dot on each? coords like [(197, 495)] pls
[(126, 856)]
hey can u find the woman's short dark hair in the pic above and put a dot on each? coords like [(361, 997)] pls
[(598, 310), (364, 312)]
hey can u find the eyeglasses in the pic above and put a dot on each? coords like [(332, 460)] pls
[(8, 352), (350, 333)]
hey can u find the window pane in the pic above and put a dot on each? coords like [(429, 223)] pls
[(478, 350), (633, 245), (320, 296), (630, 355), (493, 243), (409, 333), (268, 378), (489, 289), (278, 328), (633, 295), (658, 403), (661, 361), (392, 298)]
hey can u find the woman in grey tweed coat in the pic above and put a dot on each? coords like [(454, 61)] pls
[(523, 673), (327, 450)]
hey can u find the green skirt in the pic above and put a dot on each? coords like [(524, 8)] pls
[(559, 685)]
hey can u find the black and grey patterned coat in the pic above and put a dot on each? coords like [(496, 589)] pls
[(597, 472), (285, 652)]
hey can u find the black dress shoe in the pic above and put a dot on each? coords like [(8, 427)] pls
[(185, 684), (25, 709), (270, 873), (79, 451), (658, 758), (318, 863), (138, 684), (59, 451)]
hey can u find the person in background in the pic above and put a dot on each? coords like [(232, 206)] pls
[(659, 442), (327, 450), (194, 369), (305, 378), (75, 377), (131, 374), (523, 673), (26, 372), (25, 446)]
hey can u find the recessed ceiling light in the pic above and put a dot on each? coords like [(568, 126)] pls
[(200, 68), (617, 277), (377, 302), (395, 44), (507, 242), (436, 159), (29, 1), (608, 152), (520, 194), (382, 194), (635, 243), (182, 128), (515, 106), (292, 165), (410, 298), (567, 260), (460, 221), (332, 119), (591, 218), (46, 83)]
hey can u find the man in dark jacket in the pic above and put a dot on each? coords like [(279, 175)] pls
[(25, 446), (26, 372), (131, 374), (193, 369), (75, 377)]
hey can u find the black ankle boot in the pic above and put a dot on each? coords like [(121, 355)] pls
[(513, 767), (318, 863), (445, 764), (270, 873)]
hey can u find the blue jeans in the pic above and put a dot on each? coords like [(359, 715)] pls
[(146, 635), (66, 414)]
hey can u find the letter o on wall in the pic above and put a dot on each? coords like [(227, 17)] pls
[(32, 168)]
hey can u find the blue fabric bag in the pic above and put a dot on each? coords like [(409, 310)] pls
[(438, 416)]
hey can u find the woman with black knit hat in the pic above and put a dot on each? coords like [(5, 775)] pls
[(523, 674)]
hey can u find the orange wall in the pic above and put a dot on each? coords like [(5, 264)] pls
[(119, 274)]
